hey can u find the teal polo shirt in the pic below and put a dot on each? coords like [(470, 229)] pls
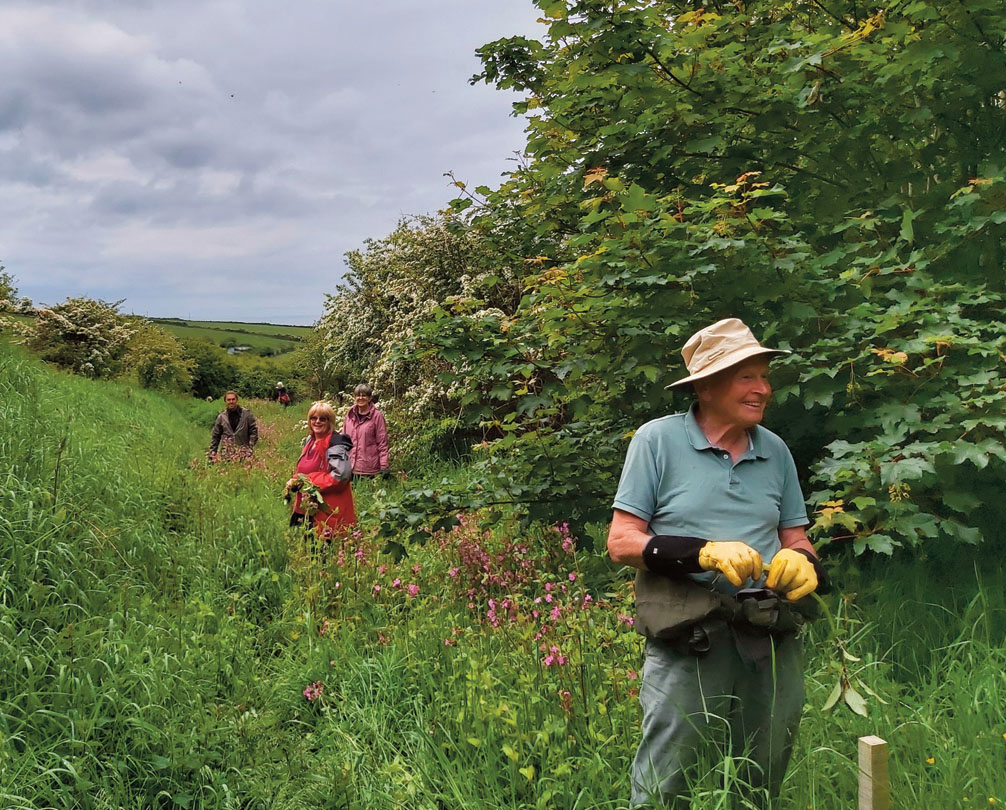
[(683, 485)]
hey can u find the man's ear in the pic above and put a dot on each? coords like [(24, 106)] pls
[(701, 390)]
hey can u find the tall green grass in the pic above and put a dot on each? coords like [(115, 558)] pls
[(159, 626), (131, 600)]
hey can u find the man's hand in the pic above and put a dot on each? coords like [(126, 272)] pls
[(737, 561), (292, 485), (791, 572)]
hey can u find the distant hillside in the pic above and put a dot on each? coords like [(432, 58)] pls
[(260, 338)]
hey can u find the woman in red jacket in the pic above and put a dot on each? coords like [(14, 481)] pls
[(366, 427), (324, 464)]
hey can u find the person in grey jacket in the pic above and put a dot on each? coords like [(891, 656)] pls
[(235, 425)]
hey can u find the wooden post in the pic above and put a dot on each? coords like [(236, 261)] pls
[(874, 782)]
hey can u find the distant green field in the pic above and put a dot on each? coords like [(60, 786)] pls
[(280, 338)]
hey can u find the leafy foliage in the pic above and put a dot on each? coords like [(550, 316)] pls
[(211, 370), (9, 300), (390, 288), (157, 359), (8, 292), (797, 165)]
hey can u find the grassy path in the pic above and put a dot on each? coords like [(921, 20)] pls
[(168, 645)]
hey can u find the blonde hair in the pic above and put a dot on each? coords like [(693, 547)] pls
[(322, 408)]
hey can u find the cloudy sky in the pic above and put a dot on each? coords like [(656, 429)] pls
[(214, 159)]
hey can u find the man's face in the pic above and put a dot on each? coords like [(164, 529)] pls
[(232, 402), (740, 394)]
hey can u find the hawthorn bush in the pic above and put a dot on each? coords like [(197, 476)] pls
[(83, 335)]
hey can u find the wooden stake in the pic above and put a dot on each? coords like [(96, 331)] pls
[(874, 781)]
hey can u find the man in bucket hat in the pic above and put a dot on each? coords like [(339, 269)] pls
[(707, 503)]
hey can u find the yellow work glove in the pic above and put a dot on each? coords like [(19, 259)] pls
[(791, 572), (737, 561)]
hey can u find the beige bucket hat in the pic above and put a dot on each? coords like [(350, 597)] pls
[(726, 343)]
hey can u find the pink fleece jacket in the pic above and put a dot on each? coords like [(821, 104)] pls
[(370, 441)]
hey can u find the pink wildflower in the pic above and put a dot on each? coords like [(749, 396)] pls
[(413, 590), (417, 568), (314, 690), (587, 599), (453, 573), (566, 698), (396, 583), (377, 590), (632, 674), (382, 569), (556, 613), (572, 576), (627, 620)]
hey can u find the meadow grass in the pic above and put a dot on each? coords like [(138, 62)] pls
[(255, 335), (277, 329), (170, 643)]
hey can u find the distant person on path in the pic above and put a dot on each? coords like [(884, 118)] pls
[(324, 462), (365, 425), (705, 498), (281, 395), (235, 426)]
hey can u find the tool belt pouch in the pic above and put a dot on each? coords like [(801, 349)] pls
[(764, 612), (667, 606)]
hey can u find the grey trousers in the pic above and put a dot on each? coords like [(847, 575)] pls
[(747, 690)]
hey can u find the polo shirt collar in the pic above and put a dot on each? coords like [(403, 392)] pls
[(757, 446)]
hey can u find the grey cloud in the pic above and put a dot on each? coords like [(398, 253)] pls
[(187, 154), (143, 136), (14, 108)]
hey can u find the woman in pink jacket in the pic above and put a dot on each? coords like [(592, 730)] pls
[(365, 425)]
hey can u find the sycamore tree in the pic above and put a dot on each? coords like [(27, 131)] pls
[(832, 173)]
